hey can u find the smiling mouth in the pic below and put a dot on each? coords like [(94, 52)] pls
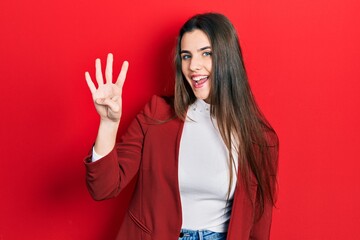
[(199, 81)]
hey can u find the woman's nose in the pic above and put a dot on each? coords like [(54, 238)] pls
[(195, 64)]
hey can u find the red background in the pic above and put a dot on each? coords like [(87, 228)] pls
[(303, 60)]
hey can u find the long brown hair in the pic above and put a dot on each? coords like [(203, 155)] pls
[(233, 106)]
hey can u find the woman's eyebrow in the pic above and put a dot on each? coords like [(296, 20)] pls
[(200, 49), (184, 51), (203, 48)]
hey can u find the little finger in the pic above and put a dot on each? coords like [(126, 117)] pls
[(90, 83)]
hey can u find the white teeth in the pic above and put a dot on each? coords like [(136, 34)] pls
[(199, 78)]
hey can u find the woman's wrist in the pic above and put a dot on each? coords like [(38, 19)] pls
[(106, 138)]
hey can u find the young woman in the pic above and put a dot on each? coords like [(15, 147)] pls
[(205, 160)]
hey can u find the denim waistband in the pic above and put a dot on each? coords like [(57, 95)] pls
[(187, 234)]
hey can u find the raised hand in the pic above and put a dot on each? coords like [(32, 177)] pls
[(107, 96)]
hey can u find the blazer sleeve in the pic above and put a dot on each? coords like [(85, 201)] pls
[(106, 177), (261, 228)]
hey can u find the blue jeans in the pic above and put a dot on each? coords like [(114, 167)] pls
[(186, 234)]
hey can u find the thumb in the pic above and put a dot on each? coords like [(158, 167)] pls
[(113, 105)]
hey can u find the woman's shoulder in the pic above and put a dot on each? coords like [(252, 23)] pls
[(159, 108), (270, 136)]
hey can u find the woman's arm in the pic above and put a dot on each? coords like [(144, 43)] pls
[(108, 103), (261, 228), (108, 176), (103, 176)]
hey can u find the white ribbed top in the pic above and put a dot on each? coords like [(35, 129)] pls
[(204, 172)]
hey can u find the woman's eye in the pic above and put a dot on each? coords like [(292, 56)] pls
[(184, 57), (207, 53)]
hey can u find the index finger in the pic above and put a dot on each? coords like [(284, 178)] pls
[(122, 76)]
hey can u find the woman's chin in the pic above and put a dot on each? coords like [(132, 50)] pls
[(204, 97)]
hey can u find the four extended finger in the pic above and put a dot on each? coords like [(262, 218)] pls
[(98, 72), (122, 76), (108, 70), (90, 83)]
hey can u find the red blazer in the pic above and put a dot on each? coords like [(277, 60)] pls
[(149, 151)]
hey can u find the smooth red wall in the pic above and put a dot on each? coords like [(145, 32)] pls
[(303, 60)]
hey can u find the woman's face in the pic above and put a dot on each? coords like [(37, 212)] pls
[(196, 62)]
